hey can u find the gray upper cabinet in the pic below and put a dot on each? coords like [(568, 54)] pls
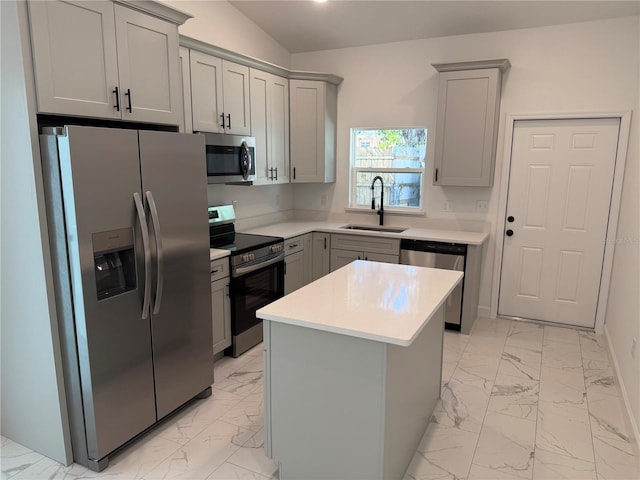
[(270, 126), (467, 124), (219, 95), (100, 59), (313, 115)]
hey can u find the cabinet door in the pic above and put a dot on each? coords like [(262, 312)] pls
[(221, 314), (148, 66), (260, 115), (359, 243), (279, 128), (381, 257), (308, 258), (206, 92), (466, 129), (235, 88), (340, 258), (321, 259), (293, 272), (75, 59), (186, 126), (307, 116)]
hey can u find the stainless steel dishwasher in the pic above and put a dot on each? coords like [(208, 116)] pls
[(447, 256)]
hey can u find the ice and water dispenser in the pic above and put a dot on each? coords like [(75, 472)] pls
[(114, 261)]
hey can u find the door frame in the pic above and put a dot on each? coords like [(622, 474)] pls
[(614, 207)]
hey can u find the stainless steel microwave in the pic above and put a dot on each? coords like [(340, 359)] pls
[(230, 158)]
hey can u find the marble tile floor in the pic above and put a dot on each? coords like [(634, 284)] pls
[(519, 401)]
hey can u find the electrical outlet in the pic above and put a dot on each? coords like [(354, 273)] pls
[(482, 206), (634, 342), (447, 207)]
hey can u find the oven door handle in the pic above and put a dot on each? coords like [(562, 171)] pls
[(244, 270)]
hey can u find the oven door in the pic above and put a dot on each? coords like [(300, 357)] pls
[(250, 292)]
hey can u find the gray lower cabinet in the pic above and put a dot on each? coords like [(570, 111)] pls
[(347, 248), (321, 257), (220, 305), (296, 265)]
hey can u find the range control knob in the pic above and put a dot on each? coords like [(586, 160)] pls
[(509, 233)]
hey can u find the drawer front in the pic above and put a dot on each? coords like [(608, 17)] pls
[(389, 246), (219, 268), (293, 245)]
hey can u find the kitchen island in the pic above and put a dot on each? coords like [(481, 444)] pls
[(353, 366)]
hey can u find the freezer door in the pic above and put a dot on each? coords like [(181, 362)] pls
[(99, 170), (174, 180)]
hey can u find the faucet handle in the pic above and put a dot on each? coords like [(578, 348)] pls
[(373, 204)]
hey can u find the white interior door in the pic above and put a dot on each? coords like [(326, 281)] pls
[(557, 213)]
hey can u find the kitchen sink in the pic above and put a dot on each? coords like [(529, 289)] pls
[(373, 228)]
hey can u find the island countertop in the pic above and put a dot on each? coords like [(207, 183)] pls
[(376, 301)]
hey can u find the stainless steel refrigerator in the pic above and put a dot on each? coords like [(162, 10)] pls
[(128, 227)]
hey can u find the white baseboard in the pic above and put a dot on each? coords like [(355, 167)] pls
[(484, 312), (629, 417)]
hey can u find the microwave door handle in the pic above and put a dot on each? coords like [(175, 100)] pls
[(247, 152), (159, 252), (147, 254)]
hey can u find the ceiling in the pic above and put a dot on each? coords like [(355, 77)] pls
[(304, 26)]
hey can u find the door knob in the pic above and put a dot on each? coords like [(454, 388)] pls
[(510, 219), (509, 233)]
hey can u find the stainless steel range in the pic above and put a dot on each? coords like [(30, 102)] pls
[(257, 275)]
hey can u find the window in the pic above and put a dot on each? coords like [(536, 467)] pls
[(395, 154)]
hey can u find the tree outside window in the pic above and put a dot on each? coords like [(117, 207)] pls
[(398, 156)]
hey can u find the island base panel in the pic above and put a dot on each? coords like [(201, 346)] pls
[(338, 406)]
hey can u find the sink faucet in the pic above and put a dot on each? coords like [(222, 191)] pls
[(373, 202)]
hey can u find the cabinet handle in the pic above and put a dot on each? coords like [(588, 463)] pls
[(222, 117), (366, 258), (117, 105), (293, 245), (325, 243), (229, 117), (215, 271), (294, 173), (436, 174), (128, 95), (276, 169)]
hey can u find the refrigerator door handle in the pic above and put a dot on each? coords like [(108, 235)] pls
[(159, 253), (147, 254)]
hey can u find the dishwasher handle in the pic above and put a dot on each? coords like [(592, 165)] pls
[(433, 247)]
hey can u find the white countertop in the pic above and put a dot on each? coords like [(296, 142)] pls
[(293, 229), (377, 301), (216, 253)]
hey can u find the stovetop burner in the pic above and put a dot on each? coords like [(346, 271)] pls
[(222, 233), (238, 243)]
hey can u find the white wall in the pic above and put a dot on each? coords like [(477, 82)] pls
[(587, 67), (33, 405), (221, 24), (623, 309)]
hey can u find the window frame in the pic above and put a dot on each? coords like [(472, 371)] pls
[(354, 170)]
